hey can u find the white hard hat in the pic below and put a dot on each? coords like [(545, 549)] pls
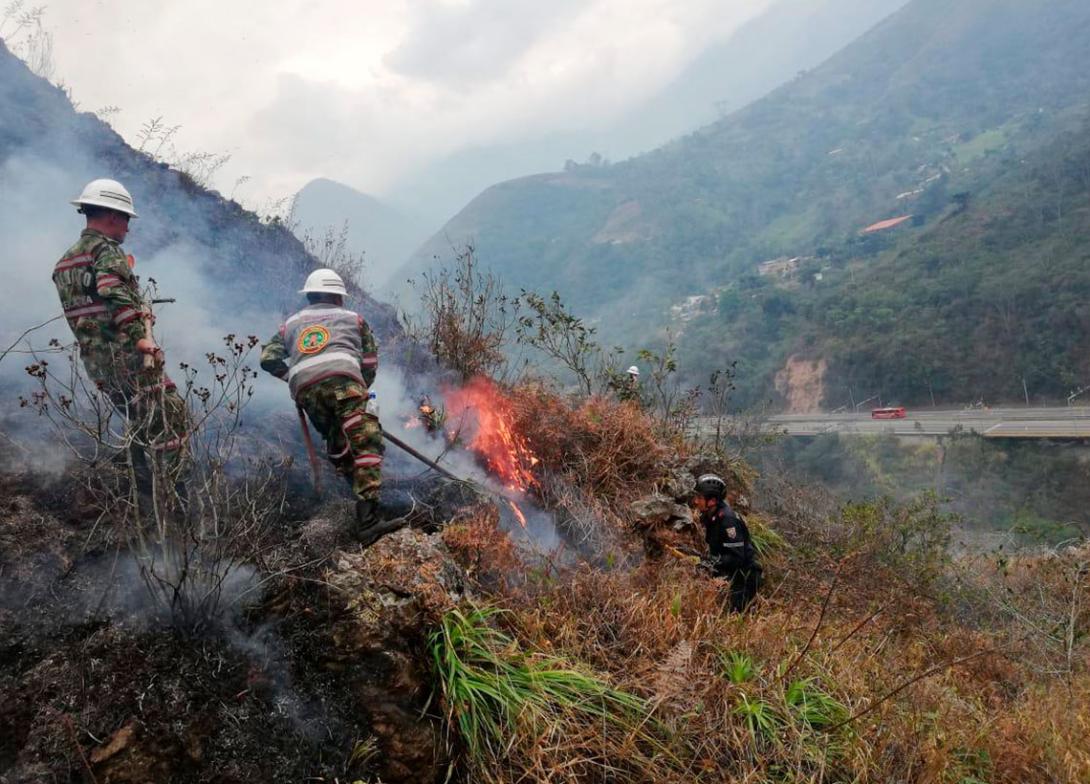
[(633, 371), (110, 194), (324, 281)]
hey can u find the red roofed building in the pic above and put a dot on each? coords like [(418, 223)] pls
[(885, 225)]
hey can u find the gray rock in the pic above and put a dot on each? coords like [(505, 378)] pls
[(657, 509), (679, 483)]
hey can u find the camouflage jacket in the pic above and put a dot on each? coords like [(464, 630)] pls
[(99, 293), (277, 357)]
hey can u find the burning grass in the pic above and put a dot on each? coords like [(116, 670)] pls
[(481, 407)]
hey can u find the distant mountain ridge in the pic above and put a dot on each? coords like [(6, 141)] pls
[(789, 36), (935, 98), (385, 234)]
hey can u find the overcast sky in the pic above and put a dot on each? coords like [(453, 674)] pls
[(364, 91)]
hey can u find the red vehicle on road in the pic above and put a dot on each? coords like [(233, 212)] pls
[(890, 412)]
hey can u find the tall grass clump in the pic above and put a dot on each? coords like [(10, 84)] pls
[(515, 715)]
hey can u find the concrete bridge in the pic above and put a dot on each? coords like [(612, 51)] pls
[(1026, 423)]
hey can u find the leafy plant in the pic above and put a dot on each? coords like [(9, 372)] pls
[(765, 538), (736, 666), (551, 328), (812, 705), (464, 317), (759, 716)]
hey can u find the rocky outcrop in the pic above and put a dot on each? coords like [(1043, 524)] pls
[(392, 594)]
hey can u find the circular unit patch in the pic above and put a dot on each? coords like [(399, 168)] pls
[(312, 339)]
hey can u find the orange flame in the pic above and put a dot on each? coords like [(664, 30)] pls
[(518, 512), (485, 416)]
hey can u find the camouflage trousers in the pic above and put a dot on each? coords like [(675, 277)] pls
[(158, 419), (337, 409)]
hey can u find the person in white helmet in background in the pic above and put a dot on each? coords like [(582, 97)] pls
[(111, 321), (329, 358), (628, 388)]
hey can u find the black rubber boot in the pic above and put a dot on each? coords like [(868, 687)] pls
[(372, 523), (367, 515), (379, 530)]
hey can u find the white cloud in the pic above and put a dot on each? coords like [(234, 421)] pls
[(366, 91)]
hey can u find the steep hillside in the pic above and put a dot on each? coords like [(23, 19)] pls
[(385, 235), (229, 271), (934, 99)]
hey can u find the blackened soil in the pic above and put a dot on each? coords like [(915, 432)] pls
[(108, 692)]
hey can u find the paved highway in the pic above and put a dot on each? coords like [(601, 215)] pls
[(1033, 423)]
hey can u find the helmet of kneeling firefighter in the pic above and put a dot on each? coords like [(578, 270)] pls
[(711, 486)]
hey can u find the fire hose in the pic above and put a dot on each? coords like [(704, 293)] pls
[(314, 464), (436, 467), (496, 495), (422, 458)]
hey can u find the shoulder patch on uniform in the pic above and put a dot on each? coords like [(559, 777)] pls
[(732, 532), (312, 339)]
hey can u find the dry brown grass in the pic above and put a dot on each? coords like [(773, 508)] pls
[(661, 632), (613, 448), (920, 669), (868, 656), (486, 553)]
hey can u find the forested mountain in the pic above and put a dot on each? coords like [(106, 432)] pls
[(990, 300), (930, 115)]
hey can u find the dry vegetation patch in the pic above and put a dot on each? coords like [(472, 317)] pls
[(870, 654)]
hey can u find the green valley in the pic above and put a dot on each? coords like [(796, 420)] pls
[(959, 118)]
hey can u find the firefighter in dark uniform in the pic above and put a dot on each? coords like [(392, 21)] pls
[(731, 549)]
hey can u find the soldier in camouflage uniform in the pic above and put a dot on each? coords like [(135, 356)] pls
[(111, 322), (329, 358)]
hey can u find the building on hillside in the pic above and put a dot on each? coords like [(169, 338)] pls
[(692, 306), (782, 268), (886, 225)]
